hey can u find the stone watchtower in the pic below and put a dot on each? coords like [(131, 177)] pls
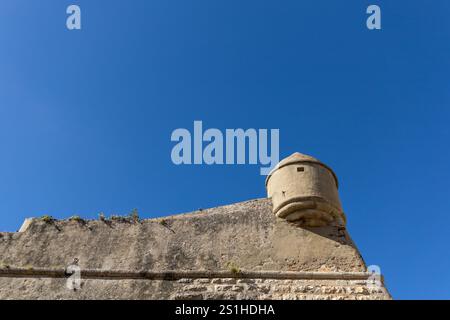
[(305, 190), (237, 251)]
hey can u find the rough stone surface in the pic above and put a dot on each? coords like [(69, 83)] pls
[(47, 288), (243, 237)]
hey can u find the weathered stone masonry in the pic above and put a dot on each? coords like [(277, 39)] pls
[(239, 251)]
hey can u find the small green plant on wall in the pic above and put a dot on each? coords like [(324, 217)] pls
[(233, 267), (47, 218)]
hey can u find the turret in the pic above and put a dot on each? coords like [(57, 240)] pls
[(305, 190)]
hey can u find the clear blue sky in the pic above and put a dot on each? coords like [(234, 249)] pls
[(86, 116)]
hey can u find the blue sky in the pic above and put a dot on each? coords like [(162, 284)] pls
[(86, 116)]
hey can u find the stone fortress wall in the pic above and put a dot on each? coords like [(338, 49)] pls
[(238, 251)]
